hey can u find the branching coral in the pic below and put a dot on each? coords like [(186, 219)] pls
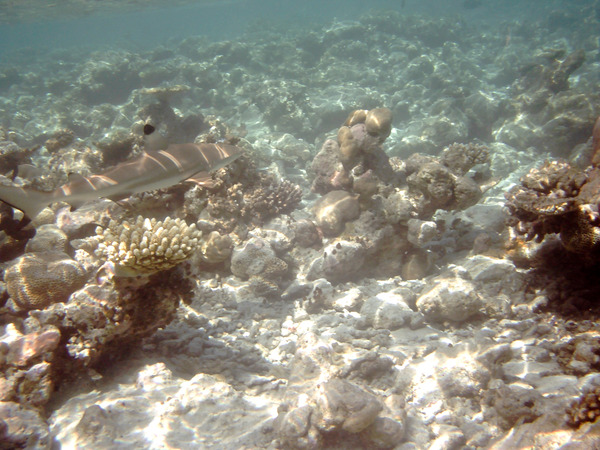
[(270, 199), (256, 203), (146, 245)]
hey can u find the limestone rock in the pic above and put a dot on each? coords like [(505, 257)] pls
[(450, 299), (344, 405), (334, 209), (387, 310)]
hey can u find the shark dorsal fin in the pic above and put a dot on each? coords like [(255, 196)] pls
[(153, 140), (29, 171)]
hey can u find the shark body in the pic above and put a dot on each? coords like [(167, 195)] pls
[(154, 169)]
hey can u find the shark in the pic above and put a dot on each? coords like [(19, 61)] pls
[(153, 169)]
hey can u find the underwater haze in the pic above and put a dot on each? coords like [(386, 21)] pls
[(340, 224), (142, 24)]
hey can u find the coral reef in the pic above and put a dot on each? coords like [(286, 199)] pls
[(36, 280), (358, 144), (270, 199), (146, 245), (215, 248), (460, 158), (117, 148), (12, 156), (253, 203), (257, 261), (585, 409), (557, 198), (60, 139), (443, 184), (98, 318), (54, 343), (334, 209), (596, 143), (555, 116)]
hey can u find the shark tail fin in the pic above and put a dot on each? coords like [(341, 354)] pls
[(30, 201)]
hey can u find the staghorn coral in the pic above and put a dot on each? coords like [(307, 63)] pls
[(36, 280), (146, 245), (557, 199)]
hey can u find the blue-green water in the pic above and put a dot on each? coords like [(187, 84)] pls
[(142, 28)]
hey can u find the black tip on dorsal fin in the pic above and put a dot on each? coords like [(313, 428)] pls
[(149, 129), (153, 140)]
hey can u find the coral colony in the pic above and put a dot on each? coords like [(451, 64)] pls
[(378, 233)]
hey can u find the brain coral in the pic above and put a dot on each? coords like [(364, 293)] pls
[(146, 245), (36, 280)]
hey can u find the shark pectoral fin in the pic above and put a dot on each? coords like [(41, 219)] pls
[(203, 179), (30, 201)]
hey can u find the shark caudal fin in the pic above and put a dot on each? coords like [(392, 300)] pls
[(30, 201)]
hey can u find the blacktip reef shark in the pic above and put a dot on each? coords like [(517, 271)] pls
[(154, 169)]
